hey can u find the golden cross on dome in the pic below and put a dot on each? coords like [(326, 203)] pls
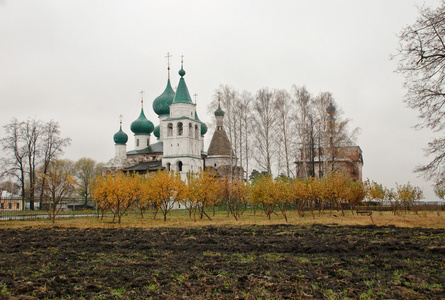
[(182, 59), (120, 117), (196, 101), (168, 63), (168, 58), (142, 98)]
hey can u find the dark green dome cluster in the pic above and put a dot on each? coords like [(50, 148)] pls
[(157, 131), (142, 126), (161, 105), (120, 137)]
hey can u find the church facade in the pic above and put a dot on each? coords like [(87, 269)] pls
[(179, 144)]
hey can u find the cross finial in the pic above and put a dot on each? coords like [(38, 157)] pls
[(120, 117), (142, 98), (168, 59), (168, 63), (182, 60), (196, 101)]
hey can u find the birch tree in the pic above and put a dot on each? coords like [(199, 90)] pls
[(265, 121), (285, 134), (303, 113)]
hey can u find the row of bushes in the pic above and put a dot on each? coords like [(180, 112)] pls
[(203, 191)]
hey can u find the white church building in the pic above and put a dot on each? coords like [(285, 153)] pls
[(179, 144)]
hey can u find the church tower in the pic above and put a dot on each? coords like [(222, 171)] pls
[(220, 155), (120, 143), (181, 133), (142, 128), (161, 105)]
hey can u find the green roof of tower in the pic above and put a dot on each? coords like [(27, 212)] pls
[(157, 131), (120, 137), (161, 105), (203, 125), (142, 126), (219, 111), (182, 93)]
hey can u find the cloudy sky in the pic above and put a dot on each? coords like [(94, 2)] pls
[(83, 63)]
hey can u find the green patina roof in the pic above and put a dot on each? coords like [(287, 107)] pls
[(182, 93), (120, 137), (142, 126), (203, 125), (219, 112), (153, 148), (161, 105), (157, 131)]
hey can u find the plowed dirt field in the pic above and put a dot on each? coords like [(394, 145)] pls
[(239, 262)]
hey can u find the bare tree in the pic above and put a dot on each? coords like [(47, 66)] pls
[(285, 134), (51, 147), (31, 132), (30, 145), (321, 102), (422, 62), (85, 170), (246, 115), (302, 117), (14, 164), (265, 121)]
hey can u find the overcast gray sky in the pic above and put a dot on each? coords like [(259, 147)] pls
[(83, 63)]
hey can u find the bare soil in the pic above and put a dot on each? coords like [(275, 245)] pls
[(223, 262)]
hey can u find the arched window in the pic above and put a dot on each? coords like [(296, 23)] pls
[(180, 128), (168, 167), (196, 132), (170, 129), (190, 130), (179, 166)]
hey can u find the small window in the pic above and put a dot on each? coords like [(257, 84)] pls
[(168, 167), (179, 166), (190, 130), (180, 128), (137, 142), (2, 206), (170, 129), (9, 205), (17, 205), (148, 143), (196, 132)]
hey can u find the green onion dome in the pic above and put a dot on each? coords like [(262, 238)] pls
[(142, 126), (219, 112), (161, 105), (120, 137), (331, 109), (157, 131), (204, 127)]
